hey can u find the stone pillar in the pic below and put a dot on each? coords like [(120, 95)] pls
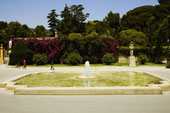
[(132, 59), (56, 34), (2, 54)]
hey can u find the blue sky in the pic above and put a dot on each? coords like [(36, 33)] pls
[(34, 12)]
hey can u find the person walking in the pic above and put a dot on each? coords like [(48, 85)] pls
[(24, 62), (52, 68)]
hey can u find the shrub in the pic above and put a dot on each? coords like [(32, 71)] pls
[(142, 58), (93, 60), (108, 59), (73, 59), (19, 53), (75, 36), (168, 63), (40, 59), (92, 34), (49, 47)]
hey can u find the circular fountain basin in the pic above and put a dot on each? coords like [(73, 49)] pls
[(88, 77)]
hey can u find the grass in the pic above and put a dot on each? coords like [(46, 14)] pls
[(69, 79), (95, 65)]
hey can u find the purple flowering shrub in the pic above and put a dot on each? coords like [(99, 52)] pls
[(48, 47), (111, 47)]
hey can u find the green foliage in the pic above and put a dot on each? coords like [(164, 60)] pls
[(93, 60), (53, 22), (25, 31), (40, 31), (90, 27), (130, 35), (40, 59), (73, 59), (3, 36), (75, 36), (3, 25), (112, 23), (87, 46), (92, 34), (142, 58), (168, 63), (164, 2), (13, 29), (73, 19), (108, 59), (137, 18), (19, 53)]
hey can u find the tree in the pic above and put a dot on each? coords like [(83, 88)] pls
[(112, 22), (164, 1), (126, 36), (73, 19), (3, 25), (19, 53), (53, 22), (137, 18), (13, 29), (25, 31), (100, 27), (90, 27), (66, 22), (162, 35), (164, 31), (3, 34), (40, 31)]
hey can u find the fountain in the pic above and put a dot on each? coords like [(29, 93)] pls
[(87, 77)]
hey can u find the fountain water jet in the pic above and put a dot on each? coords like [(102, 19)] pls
[(87, 76)]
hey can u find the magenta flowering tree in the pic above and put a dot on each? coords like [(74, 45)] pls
[(53, 51), (41, 46), (111, 46), (49, 47), (30, 42)]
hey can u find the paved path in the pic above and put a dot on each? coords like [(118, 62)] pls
[(10, 103)]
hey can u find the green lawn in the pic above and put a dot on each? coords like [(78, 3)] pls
[(94, 65), (106, 79)]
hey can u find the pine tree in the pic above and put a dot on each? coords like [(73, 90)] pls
[(53, 22)]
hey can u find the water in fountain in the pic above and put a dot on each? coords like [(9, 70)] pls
[(87, 76), (87, 69)]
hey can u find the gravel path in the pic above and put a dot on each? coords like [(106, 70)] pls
[(10, 103)]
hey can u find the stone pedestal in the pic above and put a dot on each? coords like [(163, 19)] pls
[(132, 61)]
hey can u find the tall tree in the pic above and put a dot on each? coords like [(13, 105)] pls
[(78, 18), (3, 34), (112, 22), (25, 31), (3, 25), (40, 31), (53, 22), (73, 19), (164, 1), (13, 29), (66, 22)]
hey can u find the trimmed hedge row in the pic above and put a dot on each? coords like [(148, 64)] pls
[(151, 53)]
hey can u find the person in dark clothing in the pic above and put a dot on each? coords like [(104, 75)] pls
[(52, 68)]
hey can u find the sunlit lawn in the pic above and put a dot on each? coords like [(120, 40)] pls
[(94, 65), (69, 79)]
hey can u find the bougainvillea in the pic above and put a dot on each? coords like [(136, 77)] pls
[(111, 46), (53, 51), (30, 42), (49, 47)]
